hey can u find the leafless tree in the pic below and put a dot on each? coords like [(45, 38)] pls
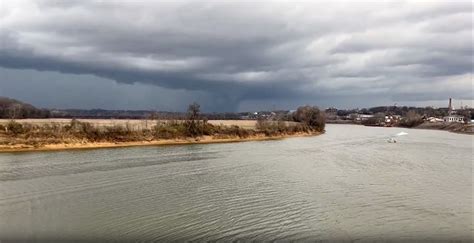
[(14, 111), (466, 114), (193, 125), (311, 116)]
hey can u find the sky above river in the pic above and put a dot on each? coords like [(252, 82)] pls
[(232, 56)]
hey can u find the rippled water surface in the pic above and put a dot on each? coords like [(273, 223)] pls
[(346, 184)]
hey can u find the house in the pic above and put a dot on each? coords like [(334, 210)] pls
[(358, 117), (365, 117), (397, 117), (454, 118)]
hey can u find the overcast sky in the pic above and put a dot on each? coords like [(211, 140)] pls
[(235, 56)]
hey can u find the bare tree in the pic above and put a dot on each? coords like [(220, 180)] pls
[(194, 111), (466, 114), (193, 120), (412, 119), (311, 116), (14, 111)]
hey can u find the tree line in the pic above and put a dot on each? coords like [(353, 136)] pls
[(14, 109)]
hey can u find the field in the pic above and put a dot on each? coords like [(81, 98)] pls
[(133, 124)]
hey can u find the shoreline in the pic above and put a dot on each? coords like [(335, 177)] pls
[(453, 128), (445, 130), (18, 148)]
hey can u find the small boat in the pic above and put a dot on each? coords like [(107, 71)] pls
[(392, 140)]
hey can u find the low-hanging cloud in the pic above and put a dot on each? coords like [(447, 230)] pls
[(250, 51)]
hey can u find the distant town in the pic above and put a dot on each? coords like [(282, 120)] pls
[(396, 115)]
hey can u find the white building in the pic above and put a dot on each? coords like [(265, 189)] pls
[(435, 119), (359, 117), (454, 118)]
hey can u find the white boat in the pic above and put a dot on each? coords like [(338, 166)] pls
[(392, 140)]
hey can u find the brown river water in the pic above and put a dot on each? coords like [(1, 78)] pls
[(348, 184)]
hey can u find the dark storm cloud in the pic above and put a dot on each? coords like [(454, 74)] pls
[(249, 51)]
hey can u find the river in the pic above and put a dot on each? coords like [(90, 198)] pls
[(348, 184)]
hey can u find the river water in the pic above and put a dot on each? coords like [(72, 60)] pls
[(348, 184)]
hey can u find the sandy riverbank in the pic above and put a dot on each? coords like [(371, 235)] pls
[(98, 145)]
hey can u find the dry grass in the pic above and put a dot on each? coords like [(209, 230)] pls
[(134, 124), (40, 132)]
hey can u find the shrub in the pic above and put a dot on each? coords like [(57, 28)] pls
[(412, 119), (117, 133), (209, 129), (273, 128), (169, 130), (83, 130), (411, 122), (15, 128), (311, 116)]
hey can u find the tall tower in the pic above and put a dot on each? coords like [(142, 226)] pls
[(450, 107)]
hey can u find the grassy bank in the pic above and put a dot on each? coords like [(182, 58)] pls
[(44, 135)]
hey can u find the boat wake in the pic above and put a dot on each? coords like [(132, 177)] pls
[(392, 138), (401, 134)]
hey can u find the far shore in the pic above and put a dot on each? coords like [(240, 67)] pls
[(459, 128), (99, 145)]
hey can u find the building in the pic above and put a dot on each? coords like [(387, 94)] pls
[(359, 117), (391, 119), (434, 119), (454, 118)]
